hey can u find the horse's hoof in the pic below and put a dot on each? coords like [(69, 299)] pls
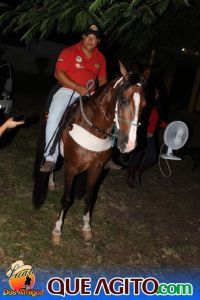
[(130, 183), (56, 238), (52, 187), (87, 235), (137, 180)]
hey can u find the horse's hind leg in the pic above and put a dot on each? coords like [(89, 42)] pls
[(51, 183), (90, 198), (66, 202)]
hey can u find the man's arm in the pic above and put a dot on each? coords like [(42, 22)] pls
[(65, 81)]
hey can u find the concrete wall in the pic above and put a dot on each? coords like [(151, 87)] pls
[(24, 59)]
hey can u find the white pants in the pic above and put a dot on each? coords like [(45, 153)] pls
[(57, 108)]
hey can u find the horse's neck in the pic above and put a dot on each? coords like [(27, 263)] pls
[(99, 108), (104, 100)]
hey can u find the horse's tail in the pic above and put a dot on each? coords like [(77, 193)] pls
[(40, 179), (40, 189), (40, 148)]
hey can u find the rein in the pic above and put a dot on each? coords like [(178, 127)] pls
[(91, 124), (89, 85)]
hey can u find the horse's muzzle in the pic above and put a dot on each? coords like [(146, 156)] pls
[(124, 145)]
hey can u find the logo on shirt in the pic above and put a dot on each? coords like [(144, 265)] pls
[(97, 66), (79, 58), (79, 66)]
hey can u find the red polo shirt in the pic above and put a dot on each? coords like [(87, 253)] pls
[(78, 67)]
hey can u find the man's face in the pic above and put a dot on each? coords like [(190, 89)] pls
[(89, 41)]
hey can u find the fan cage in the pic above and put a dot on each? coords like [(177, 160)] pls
[(176, 135)]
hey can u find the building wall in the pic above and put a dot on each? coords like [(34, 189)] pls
[(24, 59)]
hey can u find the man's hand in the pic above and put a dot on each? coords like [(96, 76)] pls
[(81, 90)]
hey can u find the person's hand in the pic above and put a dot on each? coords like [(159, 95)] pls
[(10, 123), (81, 90)]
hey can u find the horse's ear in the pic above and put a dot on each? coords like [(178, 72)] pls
[(146, 73), (122, 69)]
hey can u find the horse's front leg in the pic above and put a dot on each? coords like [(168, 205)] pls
[(90, 198), (65, 204)]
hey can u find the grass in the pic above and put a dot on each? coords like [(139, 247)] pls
[(154, 225)]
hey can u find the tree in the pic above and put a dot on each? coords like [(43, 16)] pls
[(132, 28)]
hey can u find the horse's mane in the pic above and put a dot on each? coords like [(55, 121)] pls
[(96, 97), (133, 78)]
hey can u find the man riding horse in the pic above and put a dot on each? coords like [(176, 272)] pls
[(76, 66), (87, 137)]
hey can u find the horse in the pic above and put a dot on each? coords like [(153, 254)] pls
[(112, 112)]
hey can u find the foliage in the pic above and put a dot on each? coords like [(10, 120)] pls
[(131, 26)]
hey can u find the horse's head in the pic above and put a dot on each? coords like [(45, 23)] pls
[(130, 96)]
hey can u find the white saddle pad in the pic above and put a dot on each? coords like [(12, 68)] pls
[(88, 141)]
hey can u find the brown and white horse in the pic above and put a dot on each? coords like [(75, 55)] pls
[(88, 137)]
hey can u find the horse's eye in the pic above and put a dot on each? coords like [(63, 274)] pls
[(124, 101)]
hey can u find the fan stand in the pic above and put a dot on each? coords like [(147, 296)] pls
[(169, 155)]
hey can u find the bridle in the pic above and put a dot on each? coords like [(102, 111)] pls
[(117, 118)]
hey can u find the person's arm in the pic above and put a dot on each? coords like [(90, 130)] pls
[(153, 121), (2, 129), (163, 124), (65, 81), (10, 123)]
